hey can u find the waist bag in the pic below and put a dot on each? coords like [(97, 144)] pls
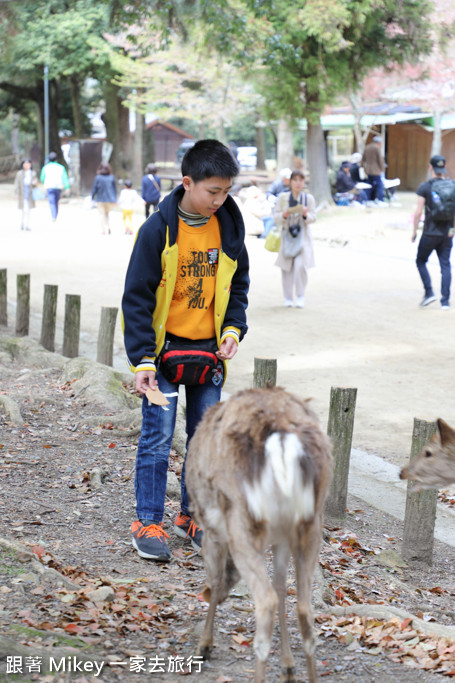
[(190, 362)]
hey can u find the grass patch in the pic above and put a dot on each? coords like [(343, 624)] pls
[(9, 564), (59, 639)]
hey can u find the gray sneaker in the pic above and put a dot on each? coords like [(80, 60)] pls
[(186, 528), (149, 539), (427, 300)]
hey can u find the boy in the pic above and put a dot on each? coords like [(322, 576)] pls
[(187, 280), (127, 200)]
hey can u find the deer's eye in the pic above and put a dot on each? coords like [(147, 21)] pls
[(428, 454)]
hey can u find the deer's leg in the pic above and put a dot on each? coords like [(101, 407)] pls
[(247, 553), (281, 554), (306, 556), (215, 560)]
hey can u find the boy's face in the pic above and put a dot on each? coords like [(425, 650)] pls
[(205, 196)]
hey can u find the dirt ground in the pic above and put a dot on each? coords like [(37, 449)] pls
[(361, 327), (67, 501)]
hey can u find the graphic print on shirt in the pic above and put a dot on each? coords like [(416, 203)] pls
[(194, 269)]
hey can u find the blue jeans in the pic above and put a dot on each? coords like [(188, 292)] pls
[(377, 187), (443, 247), (53, 197), (158, 424)]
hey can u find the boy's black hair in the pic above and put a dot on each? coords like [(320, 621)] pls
[(128, 183), (208, 158)]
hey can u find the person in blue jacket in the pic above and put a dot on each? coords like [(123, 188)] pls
[(104, 192), (187, 282), (151, 188)]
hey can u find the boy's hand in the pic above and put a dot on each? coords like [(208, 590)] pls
[(228, 349), (145, 379)]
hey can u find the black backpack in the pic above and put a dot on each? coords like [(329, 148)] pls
[(442, 208)]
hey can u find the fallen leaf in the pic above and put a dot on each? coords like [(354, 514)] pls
[(73, 628)]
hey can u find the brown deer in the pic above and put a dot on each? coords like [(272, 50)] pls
[(434, 467), (258, 470)]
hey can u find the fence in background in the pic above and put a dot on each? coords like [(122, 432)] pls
[(72, 319)]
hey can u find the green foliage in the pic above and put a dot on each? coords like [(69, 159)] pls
[(56, 36), (317, 49)]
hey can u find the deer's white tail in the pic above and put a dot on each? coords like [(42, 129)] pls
[(284, 488)]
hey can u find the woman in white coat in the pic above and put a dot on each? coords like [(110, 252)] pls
[(293, 212)]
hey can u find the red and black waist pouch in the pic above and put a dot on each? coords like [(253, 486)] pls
[(189, 361)]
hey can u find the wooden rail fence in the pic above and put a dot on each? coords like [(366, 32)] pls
[(72, 319)]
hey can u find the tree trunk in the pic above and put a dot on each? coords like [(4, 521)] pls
[(285, 145), (436, 144), (126, 139), (15, 133), (40, 130), (201, 130), (54, 138), (116, 120), (221, 131), (317, 164), (358, 137), (260, 145), (75, 91), (138, 148)]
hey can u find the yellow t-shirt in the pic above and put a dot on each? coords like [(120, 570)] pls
[(191, 313)]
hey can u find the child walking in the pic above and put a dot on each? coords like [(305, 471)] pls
[(127, 200), (186, 288)]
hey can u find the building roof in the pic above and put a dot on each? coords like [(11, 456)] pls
[(169, 126)]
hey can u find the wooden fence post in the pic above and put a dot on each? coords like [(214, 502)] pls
[(340, 428), (105, 350), (49, 317), (420, 511), (264, 372), (72, 325), (3, 298), (23, 305)]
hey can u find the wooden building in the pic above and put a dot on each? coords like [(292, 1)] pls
[(166, 139), (408, 152), (408, 136)]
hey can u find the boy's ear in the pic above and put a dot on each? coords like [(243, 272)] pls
[(187, 182)]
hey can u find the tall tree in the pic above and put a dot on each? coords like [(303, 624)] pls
[(54, 34), (430, 83), (320, 48)]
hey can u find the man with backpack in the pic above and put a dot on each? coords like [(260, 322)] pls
[(437, 196)]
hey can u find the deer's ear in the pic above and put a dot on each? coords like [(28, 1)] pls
[(447, 433)]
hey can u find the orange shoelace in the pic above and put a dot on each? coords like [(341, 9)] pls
[(152, 530), (193, 529)]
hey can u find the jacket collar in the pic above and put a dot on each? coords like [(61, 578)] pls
[(229, 216)]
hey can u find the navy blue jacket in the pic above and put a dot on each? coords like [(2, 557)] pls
[(149, 192), (152, 269)]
